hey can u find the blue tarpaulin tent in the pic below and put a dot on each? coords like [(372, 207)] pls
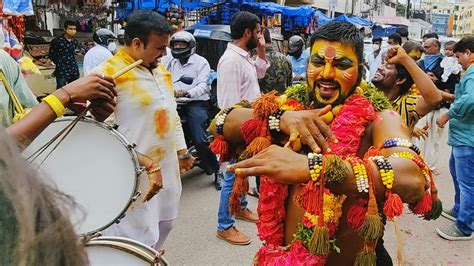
[(354, 20)]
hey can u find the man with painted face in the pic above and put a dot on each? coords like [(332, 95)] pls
[(237, 80), (333, 74), (105, 44), (146, 115), (193, 98), (298, 57), (62, 52)]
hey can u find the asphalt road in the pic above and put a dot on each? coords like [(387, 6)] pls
[(193, 240)]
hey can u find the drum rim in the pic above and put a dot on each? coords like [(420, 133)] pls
[(130, 246), (122, 246), (130, 148)]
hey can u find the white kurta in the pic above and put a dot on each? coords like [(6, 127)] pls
[(146, 115)]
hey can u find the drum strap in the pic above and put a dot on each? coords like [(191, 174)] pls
[(20, 112)]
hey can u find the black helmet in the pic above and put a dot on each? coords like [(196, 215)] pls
[(295, 45), (103, 36), (186, 37)]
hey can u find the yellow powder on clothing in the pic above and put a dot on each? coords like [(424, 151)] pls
[(132, 87), (167, 77), (161, 122)]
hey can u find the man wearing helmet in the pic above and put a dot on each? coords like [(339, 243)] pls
[(193, 96), (105, 44), (298, 57)]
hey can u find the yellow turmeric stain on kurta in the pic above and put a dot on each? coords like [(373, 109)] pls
[(161, 122), (167, 77), (128, 81)]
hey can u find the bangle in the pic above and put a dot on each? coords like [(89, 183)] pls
[(315, 164), (154, 170), (186, 155), (386, 171), (55, 104), (360, 174), (220, 119), (274, 120), (153, 163), (70, 98), (417, 160), (399, 142)]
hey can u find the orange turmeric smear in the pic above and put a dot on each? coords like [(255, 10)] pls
[(161, 122)]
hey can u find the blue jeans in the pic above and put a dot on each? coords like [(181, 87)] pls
[(461, 166), (195, 115), (224, 219)]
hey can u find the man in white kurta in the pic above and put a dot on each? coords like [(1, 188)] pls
[(146, 115)]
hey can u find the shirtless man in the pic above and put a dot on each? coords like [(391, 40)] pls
[(333, 74)]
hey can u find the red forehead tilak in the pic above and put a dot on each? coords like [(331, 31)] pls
[(330, 52)]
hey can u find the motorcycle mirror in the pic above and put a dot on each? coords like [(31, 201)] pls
[(186, 80)]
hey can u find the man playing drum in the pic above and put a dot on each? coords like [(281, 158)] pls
[(146, 115)]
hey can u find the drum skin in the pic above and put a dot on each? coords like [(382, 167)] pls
[(95, 165)]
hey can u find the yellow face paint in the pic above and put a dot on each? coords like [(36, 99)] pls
[(332, 72)]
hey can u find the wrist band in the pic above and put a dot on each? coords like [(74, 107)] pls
[(386, 171), (55, 104), (315, 164), (220, 119), (70, 98), (274, 120), (360, 174)]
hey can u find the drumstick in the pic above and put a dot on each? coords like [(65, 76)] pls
[(69, 127), (127, 68)]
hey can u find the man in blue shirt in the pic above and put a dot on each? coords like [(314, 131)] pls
[(461, 163), (62, 53), (298, 57)]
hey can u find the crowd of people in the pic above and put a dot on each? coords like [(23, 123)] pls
[(317, 137)]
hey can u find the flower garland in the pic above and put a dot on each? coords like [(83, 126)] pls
[(312, 243)]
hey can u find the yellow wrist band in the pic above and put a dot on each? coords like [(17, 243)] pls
[(55, 104)]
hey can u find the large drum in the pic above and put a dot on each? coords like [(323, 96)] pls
[(99, 169)]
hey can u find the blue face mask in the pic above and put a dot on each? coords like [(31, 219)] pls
[(430, 61)]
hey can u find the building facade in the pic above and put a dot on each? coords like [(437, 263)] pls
[(439, 21)]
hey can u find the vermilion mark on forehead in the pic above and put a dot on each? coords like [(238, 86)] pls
[(330, 52)]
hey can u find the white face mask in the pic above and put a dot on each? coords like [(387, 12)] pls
[(112, 46), (375, 47)]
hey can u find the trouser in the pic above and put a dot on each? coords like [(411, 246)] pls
[(195, 114), (224, 219), (430, 146), (461, 166)]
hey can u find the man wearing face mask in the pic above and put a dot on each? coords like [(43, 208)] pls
[(237, 81), (374, 59), (105, 43), (193, 98), (62, 53), (298, 57)]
